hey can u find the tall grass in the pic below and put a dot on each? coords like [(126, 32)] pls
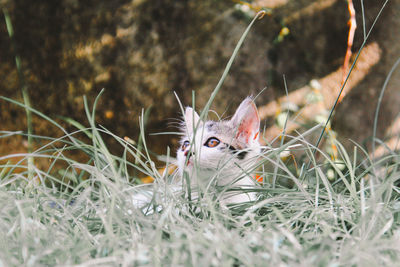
[(24, 88), (86, 213)]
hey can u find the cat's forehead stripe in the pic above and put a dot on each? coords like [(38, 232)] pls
[(222, 127), (211, 126)]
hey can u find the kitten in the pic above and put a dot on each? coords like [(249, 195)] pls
[(221, 151)]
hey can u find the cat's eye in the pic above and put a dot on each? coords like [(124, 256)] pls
[(212, 142), (185, 145)]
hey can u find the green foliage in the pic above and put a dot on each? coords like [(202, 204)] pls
[(24, 88), (84, 214)]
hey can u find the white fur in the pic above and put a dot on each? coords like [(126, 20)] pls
[(220, 164)]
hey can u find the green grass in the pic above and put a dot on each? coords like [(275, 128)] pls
[(82, 213)]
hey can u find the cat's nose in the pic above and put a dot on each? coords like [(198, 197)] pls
[(187, 152)]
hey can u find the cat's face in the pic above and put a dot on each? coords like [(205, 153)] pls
[(222, 148)]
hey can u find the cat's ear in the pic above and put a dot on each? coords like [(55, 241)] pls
[(191, 119), (246, 121)]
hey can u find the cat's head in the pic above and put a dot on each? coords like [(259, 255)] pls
[(226, 148)]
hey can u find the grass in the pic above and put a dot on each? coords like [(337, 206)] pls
[(84, 213), (24, 88)]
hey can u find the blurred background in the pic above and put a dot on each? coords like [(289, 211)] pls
[(143, 51)]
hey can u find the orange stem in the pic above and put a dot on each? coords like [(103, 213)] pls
[(353, 25)]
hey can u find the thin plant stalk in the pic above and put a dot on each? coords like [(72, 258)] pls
[(259, 15), (347, 78), (378, 106), (24, 90)]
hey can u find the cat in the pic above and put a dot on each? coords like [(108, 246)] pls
[(223, 152), (220, 154)]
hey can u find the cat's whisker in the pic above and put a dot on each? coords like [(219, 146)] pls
[(174, 122), (174, 125)]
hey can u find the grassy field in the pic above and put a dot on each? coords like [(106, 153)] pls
[(324, 211), (83, 213)]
